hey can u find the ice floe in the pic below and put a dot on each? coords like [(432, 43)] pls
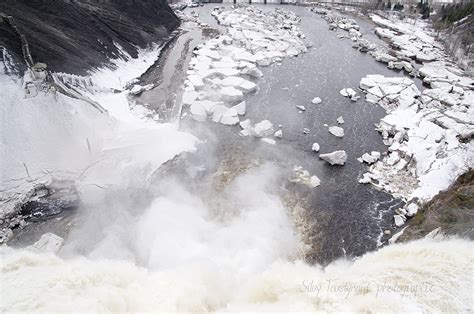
[(427, 134), (338, 157), (225, 68)]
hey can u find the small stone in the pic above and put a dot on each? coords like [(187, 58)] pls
[(340, 120), (278, 134)]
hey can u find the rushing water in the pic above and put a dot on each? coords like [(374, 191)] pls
[(350, 217)]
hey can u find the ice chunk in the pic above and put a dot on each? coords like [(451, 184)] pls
[(263, 128), (230, 93), (218, 112), (241, 108), (338, 157), (399, 220), (268, 140), (315, 147), (314, 181), (198, 111), (48, 243), (230, 117), (348, 92), (336, 131)]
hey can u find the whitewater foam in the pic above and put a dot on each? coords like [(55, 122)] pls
[(426, 275)]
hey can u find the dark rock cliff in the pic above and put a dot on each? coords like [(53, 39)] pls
[(77, 35)]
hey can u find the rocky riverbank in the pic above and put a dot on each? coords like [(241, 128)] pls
[(429, 132)]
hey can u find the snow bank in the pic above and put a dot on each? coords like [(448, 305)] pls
[(49, 134)]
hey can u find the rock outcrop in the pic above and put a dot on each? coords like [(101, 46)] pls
[(77, 36)]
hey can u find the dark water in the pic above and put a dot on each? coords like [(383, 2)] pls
[(349, 216)]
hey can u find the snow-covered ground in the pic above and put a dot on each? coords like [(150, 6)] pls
[(51, 136)]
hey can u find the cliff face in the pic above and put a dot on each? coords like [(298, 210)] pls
[(77, 35)]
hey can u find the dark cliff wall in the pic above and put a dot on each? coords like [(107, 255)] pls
[(77, 35)]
